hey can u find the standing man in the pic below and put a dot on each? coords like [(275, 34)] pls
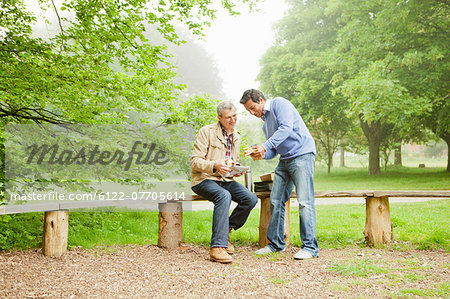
[(215, 144), (287, 135)]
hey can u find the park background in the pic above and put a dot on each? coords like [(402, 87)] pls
[(370, 79)]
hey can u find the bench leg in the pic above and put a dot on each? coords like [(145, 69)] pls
[(56, 228), (264, 220), (378, 228), (170, 231)]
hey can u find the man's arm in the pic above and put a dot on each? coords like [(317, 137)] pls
[(198, 158), (285, 119), (199, 152), (259, 152), (270, 154)]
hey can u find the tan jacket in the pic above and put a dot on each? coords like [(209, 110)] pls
[(210, 146)]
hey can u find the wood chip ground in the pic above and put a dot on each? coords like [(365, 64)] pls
[(148, 271)]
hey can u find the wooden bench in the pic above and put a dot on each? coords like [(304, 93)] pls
[(378, 227)]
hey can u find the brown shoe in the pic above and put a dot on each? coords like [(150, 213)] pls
[(230, 249), (218, 254)]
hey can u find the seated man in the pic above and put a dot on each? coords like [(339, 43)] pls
[(215, 144)]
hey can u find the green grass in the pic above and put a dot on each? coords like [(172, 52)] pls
[(393, 274), (88, 229), (355, 175), (395, 178), (362, 268), (422, 225), (277, 280), (441, 290)]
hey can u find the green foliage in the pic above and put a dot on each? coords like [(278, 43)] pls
[(21, 231), (196, 112), (384, 63), (299, 69), (99, 65), (89, 229)]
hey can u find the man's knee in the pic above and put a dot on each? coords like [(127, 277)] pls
[(253, 200), (221, 196)]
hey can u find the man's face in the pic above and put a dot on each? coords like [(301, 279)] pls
[(255, 109), (228, 118)]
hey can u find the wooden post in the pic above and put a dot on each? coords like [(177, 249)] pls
[(170, 232), (378, 228), (56, 228), (264, 220)]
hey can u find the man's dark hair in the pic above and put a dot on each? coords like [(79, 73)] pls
[(252, 94)]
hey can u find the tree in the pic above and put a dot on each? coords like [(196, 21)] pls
[(421, 32), (405, 41), (327, 137), (300, 68), (379, 101), (100, 66), (389, 59), (439, 122)]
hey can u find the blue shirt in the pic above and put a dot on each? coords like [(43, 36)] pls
[(285, 131)]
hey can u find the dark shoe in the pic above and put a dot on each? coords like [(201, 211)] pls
[(219, 254)]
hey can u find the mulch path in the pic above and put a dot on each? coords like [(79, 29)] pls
[(149, 271)]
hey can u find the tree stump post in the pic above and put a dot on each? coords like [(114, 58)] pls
[(265, 219), (170, 230), (378, 228), (56, 229)]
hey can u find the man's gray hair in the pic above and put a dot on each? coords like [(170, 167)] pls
[(224, 105)]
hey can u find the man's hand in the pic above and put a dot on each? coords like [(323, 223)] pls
[(221, 168), (258, 152), (239, 174)]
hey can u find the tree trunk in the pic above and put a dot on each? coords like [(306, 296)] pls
[(170, 230), (378, 228), (398, 155), (342, 164), (447, 140), (330, 161), (56, 229), (372, 132), (265, 219), (374, 157)]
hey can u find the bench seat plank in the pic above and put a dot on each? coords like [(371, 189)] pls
[(417, 193), (28, 208)]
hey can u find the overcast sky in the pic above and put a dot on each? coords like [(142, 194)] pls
[(238, 43)]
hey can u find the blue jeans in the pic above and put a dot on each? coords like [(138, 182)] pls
[(298, 172), (221, 194)]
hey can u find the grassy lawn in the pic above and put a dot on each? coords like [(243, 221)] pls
[(355, 175), (394, 178), (421, 225)]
